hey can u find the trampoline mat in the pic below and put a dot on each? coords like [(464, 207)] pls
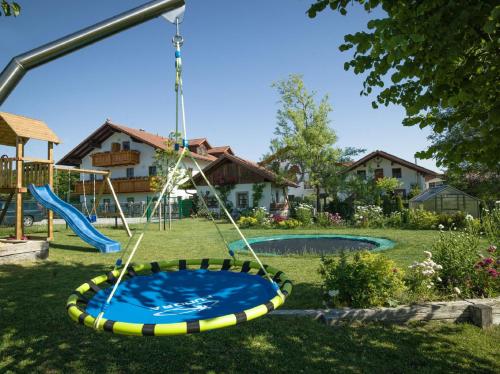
[(320, 245), (181, 296)]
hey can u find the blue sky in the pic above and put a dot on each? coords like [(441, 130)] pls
[(233, 52)]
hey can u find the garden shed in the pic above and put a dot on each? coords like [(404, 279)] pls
[(446, 199)]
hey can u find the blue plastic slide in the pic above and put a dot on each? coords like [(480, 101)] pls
[(75, 219)]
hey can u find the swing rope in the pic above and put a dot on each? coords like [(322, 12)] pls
[(205, 206), (177, 41)]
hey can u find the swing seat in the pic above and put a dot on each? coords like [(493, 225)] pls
[(180, 297), (92, 218)]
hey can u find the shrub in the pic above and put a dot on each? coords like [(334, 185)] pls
[(326, 219), (422, 219), (488, 272), (365, 281), (303, 213), (491, 224), (457, 252), (245, 222), (421, 278), (344, 208), (288, 224), (399, 203), (396, 219), (369, 216), (262, 216)]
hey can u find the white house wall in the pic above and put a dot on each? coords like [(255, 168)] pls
[(268, 194), (408, 178), (146, 159)]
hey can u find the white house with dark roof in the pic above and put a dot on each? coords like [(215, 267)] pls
[(379, 164), (242, 175), (129, 154)]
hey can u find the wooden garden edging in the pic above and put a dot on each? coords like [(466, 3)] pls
[(481, 312)]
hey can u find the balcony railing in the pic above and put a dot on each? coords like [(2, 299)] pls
[(120, 185), (33, 172), (120, 158)]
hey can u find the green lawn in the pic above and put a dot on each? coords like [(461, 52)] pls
[(38, 336)]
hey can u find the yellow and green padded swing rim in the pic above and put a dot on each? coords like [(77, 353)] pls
[(77, 301)]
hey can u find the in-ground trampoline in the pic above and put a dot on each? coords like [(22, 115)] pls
[(316, 244)]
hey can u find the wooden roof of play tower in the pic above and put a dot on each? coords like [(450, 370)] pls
[(13, 126)]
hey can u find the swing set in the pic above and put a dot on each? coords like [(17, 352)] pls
[(167, 297), (106, 187)]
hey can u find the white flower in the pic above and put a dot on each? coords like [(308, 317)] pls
[(429, 286), (429, 254), (440, 227), (468, 217), (438, 267), (457, 290), (333, 293), (439, 279)]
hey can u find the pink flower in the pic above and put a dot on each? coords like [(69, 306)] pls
[(488, 261), (493, 273)]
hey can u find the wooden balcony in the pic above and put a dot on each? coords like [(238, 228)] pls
[(120, 185), (119, 158)]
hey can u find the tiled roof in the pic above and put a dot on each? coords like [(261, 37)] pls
[(388, 156), (220, 150), (95, 139), (256, 168)]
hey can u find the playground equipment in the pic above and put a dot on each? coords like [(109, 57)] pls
[(18, 172), (195, 298), (106, 187), (22, 173)]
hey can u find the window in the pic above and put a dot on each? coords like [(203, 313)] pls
[(379, 174), (396, 173), (242, 200), (126, 146), (152, 171), (361, 174), (130, 172), (115, 147), (92, 177)]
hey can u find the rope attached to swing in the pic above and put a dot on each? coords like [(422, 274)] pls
[(177, 41)]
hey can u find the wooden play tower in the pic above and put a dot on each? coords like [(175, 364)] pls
[(16, 173)]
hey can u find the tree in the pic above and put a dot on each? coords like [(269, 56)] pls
[(304, 141), (164, 161), (443, 61), (9, 8), (388, 185)]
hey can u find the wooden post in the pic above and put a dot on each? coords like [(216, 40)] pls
[(50, 217), (159, 216), (117, 203), (19, 186), (101, 191)]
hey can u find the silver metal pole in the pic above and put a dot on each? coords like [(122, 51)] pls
[(19, 65)]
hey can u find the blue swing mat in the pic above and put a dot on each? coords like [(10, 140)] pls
[(182, 296)]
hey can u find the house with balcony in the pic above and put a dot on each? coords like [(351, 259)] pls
[(380, 164), (128, 154), (240, 176)]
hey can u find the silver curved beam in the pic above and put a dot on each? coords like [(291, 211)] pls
[(19, 65)]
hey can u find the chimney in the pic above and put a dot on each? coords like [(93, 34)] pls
[(416, 161), (142, 130)]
